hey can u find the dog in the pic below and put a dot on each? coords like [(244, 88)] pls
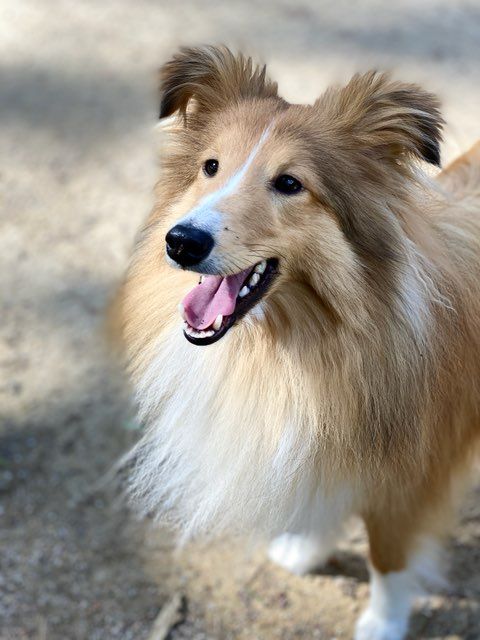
[(302, 321)]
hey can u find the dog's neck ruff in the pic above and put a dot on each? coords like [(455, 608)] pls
[(228, 446)]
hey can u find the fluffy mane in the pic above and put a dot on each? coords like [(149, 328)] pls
[(263, 429)]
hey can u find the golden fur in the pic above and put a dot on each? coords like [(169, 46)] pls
[(359, 374)]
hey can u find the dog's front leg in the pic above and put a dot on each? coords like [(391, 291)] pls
[(319, 526), (402, 562), (388, 612), (301, 553)]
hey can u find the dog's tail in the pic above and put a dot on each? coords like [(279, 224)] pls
[(462, 176)]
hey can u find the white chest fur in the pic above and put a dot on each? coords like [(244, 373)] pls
[(226, 446)]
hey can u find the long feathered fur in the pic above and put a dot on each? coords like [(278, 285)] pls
[(354, 387)]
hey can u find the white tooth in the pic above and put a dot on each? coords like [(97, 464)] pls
[(255, 279), (243, 292), (208, 334), (260, 268), (181, 310), (202, 278), (218, 322)]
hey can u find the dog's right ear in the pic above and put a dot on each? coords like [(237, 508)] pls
[(209, 78)]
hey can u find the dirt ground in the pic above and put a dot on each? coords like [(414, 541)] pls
[(77, 149)]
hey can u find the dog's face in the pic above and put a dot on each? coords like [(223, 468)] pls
[(252, 216), (267, 194)]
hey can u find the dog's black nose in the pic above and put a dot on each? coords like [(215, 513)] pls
[(188, 245)]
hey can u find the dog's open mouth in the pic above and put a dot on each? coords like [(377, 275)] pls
[(211, 308)]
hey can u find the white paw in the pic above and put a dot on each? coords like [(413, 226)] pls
[(297, 553), (372, 626)]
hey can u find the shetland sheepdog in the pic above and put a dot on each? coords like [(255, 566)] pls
[(302, 321)]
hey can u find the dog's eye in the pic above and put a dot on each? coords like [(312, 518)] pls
[(211, 167), (287, 184)]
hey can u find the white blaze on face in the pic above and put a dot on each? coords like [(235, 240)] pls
[(206, 215)]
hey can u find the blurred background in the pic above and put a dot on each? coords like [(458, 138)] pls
[(77, 168)]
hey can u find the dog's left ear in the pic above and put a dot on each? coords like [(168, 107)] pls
[(389, 119)]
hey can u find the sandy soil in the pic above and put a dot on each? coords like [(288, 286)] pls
[(77, 110)]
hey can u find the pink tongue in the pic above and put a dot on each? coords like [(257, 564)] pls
[(216, 295)]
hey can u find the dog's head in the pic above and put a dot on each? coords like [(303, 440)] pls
[(263, 192)]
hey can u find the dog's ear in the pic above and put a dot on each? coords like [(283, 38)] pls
[(210, 78), (390, 119)]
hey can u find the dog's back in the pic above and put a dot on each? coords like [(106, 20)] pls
[(462, 176)]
